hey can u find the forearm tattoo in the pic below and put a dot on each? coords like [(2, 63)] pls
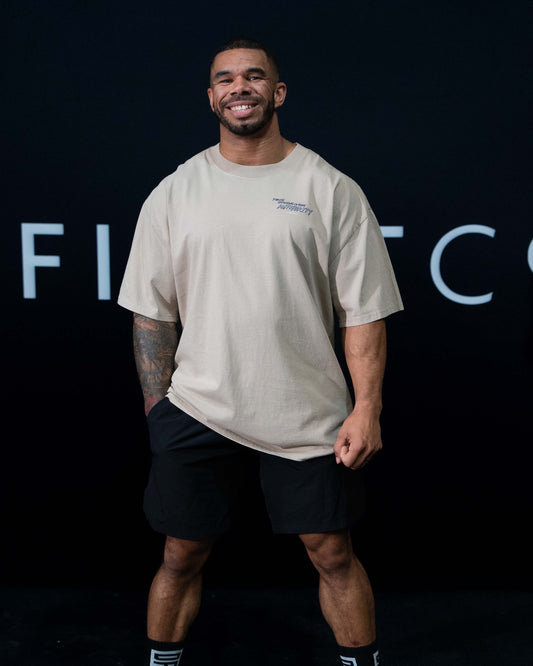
[(154, 347)]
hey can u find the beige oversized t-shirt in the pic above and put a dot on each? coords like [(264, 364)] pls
[(253, 261)]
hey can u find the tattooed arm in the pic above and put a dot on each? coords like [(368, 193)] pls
[(154, 346)]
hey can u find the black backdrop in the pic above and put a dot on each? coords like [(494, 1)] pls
[(427, 106)]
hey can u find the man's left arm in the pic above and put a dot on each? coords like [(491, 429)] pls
[(359, 438)]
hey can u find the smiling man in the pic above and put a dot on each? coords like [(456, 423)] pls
[(244, 94), (240, 261), (253, 108)]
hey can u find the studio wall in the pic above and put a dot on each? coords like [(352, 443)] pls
[(427, 107)]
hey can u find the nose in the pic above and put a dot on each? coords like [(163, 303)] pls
[(241, 86)]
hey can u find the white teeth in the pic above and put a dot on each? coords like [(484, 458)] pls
[(243, 107)]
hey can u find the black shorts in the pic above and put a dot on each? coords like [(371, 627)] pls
[(199, 478)]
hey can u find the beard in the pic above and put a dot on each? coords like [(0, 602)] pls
[(247, 128)]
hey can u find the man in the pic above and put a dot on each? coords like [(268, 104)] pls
[(252, 246)]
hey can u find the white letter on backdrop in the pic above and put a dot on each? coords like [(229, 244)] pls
[(102, 262), (30, 260), (436, 259)]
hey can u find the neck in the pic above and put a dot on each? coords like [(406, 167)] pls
[(265, 147)]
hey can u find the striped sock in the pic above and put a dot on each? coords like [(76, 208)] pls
[(366, 655), (164, 654)]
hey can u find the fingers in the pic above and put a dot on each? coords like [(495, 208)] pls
[(347, 452), (355, 458), (355, 445), (352, 458), (341, 452), (340, 446)]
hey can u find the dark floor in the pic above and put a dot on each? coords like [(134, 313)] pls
[(267, 627)]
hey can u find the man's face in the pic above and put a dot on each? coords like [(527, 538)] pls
[(244, 90)]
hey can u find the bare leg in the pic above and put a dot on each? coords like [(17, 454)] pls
[(345, 593), (175, 594)]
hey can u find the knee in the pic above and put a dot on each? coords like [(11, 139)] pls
[(185, 558), (330, 554)]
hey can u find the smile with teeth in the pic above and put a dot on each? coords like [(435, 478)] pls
[(242, 109)]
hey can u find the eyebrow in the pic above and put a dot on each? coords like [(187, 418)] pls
[(250, 70)]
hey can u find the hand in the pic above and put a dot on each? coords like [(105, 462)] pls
[(359, 439)]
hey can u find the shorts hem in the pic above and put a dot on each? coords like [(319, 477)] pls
[(189, 535), (317, 529)]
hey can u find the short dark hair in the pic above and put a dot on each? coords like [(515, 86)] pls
[(246, 43)]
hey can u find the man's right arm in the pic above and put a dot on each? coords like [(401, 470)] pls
[(154, 347)]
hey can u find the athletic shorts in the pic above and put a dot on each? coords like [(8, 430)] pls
[(200, 481)]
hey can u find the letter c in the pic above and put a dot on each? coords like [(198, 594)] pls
[(436, 260)]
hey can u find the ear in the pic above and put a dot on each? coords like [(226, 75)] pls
[(279, 94), (210, 95)]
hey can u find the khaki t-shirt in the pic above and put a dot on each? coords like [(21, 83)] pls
[(253, 261)]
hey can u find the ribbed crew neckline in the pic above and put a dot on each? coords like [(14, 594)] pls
[(246, 171)]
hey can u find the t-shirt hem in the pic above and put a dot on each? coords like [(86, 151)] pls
[(310, 451), (357, 320), (145, 312)]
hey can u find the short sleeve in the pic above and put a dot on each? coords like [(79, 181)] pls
[(363, 284), (148, 286)]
